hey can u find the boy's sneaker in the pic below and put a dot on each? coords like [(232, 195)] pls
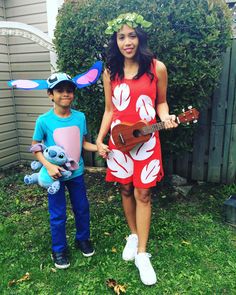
[(85, 247), (146, 271), (60, 259), (131, 247)]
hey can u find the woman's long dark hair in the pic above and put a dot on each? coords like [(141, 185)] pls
[(115, 60)]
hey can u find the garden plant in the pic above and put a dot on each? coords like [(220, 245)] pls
[(188, 36)]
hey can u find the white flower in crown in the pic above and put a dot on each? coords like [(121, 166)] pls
[(130, 17)]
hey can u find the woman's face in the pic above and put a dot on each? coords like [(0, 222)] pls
[(127, 41)]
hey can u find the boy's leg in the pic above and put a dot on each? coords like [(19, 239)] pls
[(80, 206), (57, 212)]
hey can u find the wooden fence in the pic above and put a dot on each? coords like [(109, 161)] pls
[(214, 150), (214, 154)]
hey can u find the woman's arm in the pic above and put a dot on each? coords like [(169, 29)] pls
[(107, 116), (162, 105), (53, 170)]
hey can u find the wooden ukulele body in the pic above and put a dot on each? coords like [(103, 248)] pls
[(126, 135)]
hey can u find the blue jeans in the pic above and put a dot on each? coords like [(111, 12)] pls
[(57, 212)]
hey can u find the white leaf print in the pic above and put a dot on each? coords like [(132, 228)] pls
[(121, 98), (145, 108), (114, 123), (121, 165), (143, 151), (150, 171)]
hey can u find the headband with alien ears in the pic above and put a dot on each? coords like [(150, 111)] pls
[(81, 80)]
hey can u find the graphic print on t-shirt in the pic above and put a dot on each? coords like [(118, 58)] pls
[(69, 139)]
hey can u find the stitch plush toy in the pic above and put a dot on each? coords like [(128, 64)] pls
[(55, 155)]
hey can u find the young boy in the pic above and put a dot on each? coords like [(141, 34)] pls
[(65, 127)]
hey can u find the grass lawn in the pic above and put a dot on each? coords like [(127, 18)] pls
[(193, 250)]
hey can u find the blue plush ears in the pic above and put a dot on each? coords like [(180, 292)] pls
[(82, 80), (89, 77)]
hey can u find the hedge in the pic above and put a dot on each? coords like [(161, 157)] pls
[(188, 36)]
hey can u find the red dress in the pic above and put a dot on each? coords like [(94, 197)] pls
[(134, 100)]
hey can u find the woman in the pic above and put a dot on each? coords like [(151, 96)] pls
[(135, 87)]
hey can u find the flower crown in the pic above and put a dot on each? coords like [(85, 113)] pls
[(133, 20)]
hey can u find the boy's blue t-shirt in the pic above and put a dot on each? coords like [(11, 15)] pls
[(66, 132)]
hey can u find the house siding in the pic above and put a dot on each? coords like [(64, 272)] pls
[(9, 153), (21, 58)]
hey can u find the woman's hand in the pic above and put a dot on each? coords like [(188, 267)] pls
[(170, 122), (103, 150)]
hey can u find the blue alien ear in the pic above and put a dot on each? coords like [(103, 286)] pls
[(28, 84), (82, 80), (90, 77)]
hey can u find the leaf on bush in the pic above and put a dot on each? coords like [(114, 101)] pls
[(111, 198), (26, 277), (118, 289)]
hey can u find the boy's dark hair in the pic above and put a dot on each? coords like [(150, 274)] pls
[(144, 57)]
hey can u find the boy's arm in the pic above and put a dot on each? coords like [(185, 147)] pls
[(53, 170), (88, 146)]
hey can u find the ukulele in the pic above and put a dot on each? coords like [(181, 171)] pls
[(127, 135)]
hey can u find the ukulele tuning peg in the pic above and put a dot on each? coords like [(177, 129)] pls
[(190, 107), (183, 110), (187, 123), (194, 121)]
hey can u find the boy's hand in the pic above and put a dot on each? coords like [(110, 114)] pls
[(54, 171), (103, 150)]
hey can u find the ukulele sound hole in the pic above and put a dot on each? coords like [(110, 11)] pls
[(137, 133)]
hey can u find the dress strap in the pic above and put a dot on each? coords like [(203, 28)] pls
[(153, 68)]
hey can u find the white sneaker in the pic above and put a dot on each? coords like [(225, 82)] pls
[(131, 247), (146, 271)]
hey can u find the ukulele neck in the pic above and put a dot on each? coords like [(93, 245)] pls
[(153, 128)]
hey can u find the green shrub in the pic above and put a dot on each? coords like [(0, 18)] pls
[(188, 36)]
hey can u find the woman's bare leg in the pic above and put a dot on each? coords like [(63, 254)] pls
[(129, 206), (143, 216)]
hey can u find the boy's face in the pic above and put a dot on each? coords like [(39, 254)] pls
[(62, 94)]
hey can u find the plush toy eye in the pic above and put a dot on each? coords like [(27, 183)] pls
[(61, 156), (46, 150)]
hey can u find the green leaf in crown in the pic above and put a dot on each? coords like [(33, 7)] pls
[(133, 20)]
